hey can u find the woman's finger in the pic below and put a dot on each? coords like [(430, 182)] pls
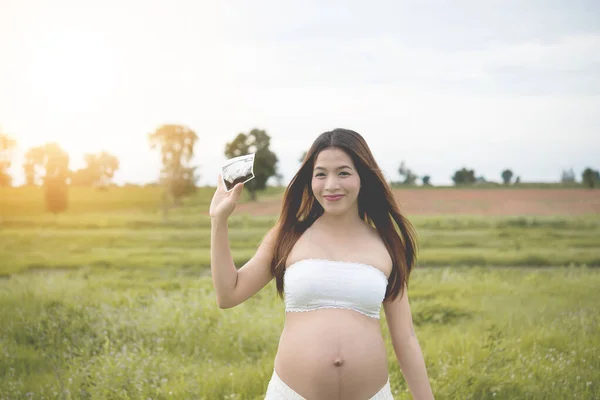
[(237, 191)]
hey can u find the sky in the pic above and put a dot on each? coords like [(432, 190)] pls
[(486, 85)]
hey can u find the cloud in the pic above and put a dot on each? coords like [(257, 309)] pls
[(570, 65)]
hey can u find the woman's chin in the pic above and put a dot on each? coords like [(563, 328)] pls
[(335, 210)]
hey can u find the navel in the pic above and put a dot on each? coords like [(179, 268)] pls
[(338, 362)]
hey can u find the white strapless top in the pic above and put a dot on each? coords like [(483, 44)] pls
[(315, 283)]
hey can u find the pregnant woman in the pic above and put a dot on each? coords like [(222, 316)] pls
[(339, 250)]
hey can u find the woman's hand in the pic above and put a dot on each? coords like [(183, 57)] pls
[(223, 203)]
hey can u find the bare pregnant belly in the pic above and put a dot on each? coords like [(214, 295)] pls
[(332, 354)]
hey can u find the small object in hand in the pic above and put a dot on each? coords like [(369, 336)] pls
[(238, 170)]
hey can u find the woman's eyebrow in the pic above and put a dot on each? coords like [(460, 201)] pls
[(325, 169)]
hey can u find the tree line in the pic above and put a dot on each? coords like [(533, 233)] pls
[(48, 166), (465, 176)]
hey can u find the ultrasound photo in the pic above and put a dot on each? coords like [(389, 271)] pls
[(238, 170)]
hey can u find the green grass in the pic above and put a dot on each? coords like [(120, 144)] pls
[(486, 333), (29, 201), (143, 240)]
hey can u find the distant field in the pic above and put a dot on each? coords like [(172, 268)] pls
[(124, 228), (30, 200), (464, 201), (412, 201)]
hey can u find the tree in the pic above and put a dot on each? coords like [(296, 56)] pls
[(409, 177), (55, 180), (100, 169), (426, 179), (176, 145), (302, 157), (464, 176), (507, 175), (49, 165), (34, 166), (279, 179), (7, 146), (517, 180), (590, 177), (568, 176), (265, 161)]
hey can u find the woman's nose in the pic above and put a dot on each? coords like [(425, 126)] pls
[(332, 183)]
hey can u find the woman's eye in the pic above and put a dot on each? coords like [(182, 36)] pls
[(341, 173)]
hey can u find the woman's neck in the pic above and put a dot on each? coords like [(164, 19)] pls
[(341, 223)]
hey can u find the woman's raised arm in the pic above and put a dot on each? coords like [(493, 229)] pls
[(233, 287)]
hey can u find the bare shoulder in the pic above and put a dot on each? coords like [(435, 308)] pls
[(305, 247), (380, 252), (372, 232), (266, 249), (267, 244)]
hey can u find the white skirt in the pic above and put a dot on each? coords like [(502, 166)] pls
[(278, 390)]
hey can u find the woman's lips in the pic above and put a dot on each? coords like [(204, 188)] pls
[(333, 198)]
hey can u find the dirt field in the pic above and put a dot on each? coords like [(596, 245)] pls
[(475, 202)]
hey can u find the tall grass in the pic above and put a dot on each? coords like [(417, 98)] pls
[(486, 333)]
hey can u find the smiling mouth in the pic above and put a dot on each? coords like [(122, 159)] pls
[(333, 198)]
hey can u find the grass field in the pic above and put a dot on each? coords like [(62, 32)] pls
[(108, 301), (486, 333), (143, 240)]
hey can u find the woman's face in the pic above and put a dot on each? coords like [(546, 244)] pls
[(335, 181)]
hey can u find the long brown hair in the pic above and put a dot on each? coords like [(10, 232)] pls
[(376, 205)]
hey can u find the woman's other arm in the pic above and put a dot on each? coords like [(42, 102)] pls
[(407, 348)]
